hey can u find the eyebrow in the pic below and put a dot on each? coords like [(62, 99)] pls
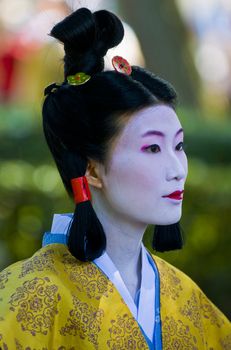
[(159, 133)]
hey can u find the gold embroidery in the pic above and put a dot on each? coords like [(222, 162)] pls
[(210, 312), (226, 342), (84, 321), (170, 283), (87, 278), (176, 335), (192, 311), (40, 262), (36, 305), (5, 347), (4, 278), (19, 346), (124, 334)]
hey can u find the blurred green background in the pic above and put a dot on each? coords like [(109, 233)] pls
[(185, 43)]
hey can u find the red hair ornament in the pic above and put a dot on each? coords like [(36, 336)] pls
[(121, 65), (80, 189)]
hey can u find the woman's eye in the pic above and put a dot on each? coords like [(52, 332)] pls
[(180, 146), (153, 148)]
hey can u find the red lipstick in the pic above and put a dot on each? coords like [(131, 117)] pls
[(175, 195)]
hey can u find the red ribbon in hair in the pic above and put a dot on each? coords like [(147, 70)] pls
[(80, 189)]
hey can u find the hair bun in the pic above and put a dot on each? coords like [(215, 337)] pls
[(87, 37), (110, 31)]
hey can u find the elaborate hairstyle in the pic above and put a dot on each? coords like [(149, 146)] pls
[(81, 121)]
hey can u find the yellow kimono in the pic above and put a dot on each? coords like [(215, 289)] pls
[(52, 301)]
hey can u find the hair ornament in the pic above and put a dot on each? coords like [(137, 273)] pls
[(121, 65), (78, 78), (51, 88), (80, 189)]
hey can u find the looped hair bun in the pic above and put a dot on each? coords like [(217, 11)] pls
[(87, 37)]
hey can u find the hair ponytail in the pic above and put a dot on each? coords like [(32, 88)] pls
[(167, 237), (87, 240)]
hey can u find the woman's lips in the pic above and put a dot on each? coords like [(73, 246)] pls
[(175, 195)]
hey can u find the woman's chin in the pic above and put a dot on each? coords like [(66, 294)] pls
[(168, 221)]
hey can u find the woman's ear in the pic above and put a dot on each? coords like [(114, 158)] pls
[(93, 174)]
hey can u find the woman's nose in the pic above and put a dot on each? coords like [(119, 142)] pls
[(176, 168)]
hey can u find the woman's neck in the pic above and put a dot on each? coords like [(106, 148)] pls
[(124, 251), (128, 263), (124, 240)]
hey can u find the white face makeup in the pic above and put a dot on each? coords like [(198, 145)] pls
[(139, 175)]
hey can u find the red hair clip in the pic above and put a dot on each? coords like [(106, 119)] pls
[(80, 189), (121, 65)]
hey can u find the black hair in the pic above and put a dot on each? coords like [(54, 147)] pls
[(81, 121)]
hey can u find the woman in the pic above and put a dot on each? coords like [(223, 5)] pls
[(93, 284)]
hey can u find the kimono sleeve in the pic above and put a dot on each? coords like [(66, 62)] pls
[(28, 306), (216, 327)]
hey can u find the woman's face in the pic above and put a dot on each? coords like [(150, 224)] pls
[(144, 168)]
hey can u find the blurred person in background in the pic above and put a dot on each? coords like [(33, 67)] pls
[(93, 284), (26, 53)]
